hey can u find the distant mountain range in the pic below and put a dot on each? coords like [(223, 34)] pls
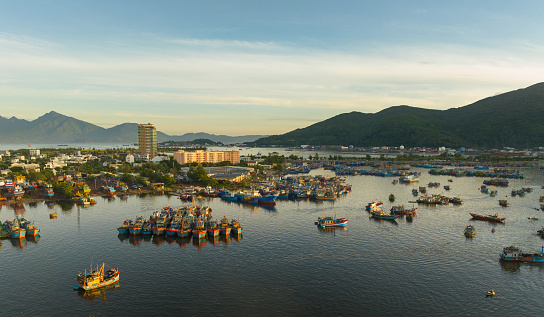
[(54, 128), (514, 119)]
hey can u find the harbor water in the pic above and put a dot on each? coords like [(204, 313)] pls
[(284, 265)]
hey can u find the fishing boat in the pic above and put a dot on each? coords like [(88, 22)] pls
[(469, 231), (374, 205), (409, 179), (331, 222), (86, 201), (383, 216), (31, 230), (124, 228), (185, 230), (97, 278), (224, 226), (515, 254), (491, 218), (199, 231), (213, 228), (48, 190), (235, 227), (268, 200)]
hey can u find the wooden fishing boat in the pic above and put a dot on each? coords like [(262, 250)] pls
[(235, 227), (515, 254), (331, 222), (97, 278), (491, 218), (224, 226), (469, 231), (383, 216), (213, 228), (374, 205), (199, 231)]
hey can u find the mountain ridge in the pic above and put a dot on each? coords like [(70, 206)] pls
[(53, 127), (514, 119)]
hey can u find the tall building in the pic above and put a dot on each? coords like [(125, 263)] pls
[(147, 140), (200, 156)]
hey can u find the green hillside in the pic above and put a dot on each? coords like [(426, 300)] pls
[(513, 119)]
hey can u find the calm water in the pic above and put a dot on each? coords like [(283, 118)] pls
[(283, 264)]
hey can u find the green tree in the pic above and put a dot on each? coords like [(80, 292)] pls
[(64, 189)]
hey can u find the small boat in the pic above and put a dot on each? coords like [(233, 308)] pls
[(391, 198), (490, 293), (97, 278), (224, 226), (53, 215), (409, 179), (410, 215), (515, 254), (415, 192), (447, 187), (331, 222), (491, 218), (374, 205), (383, 216), (469, 231), (532, 218), (199, 231), (541, 232), (503, 202), (213, 228), (235, 227)]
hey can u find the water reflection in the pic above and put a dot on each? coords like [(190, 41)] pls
[(511, 266), (393, 222), (331, 230), (18, 243), (66, 205), (97, 294), (199, 242)]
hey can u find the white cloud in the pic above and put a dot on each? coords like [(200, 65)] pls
[(259, 74)]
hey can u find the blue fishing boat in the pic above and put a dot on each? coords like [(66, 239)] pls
[(469, 231), (515, 254), (224, 226), (331, 222), (268, 200), (235, 227)]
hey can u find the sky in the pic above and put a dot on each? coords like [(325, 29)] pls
[(259, 67)]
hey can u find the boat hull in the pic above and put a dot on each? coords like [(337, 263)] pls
[(105, 283)]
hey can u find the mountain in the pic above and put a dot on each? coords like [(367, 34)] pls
[(514, 119), (55, 128)]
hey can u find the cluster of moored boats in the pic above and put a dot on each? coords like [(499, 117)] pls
[(182, 222), (19, 228)]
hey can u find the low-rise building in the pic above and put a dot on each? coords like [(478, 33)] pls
[(199, 156)]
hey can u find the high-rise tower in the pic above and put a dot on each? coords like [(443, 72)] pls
[(147, 140)]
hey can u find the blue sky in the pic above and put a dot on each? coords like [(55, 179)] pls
[(256, 67)]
